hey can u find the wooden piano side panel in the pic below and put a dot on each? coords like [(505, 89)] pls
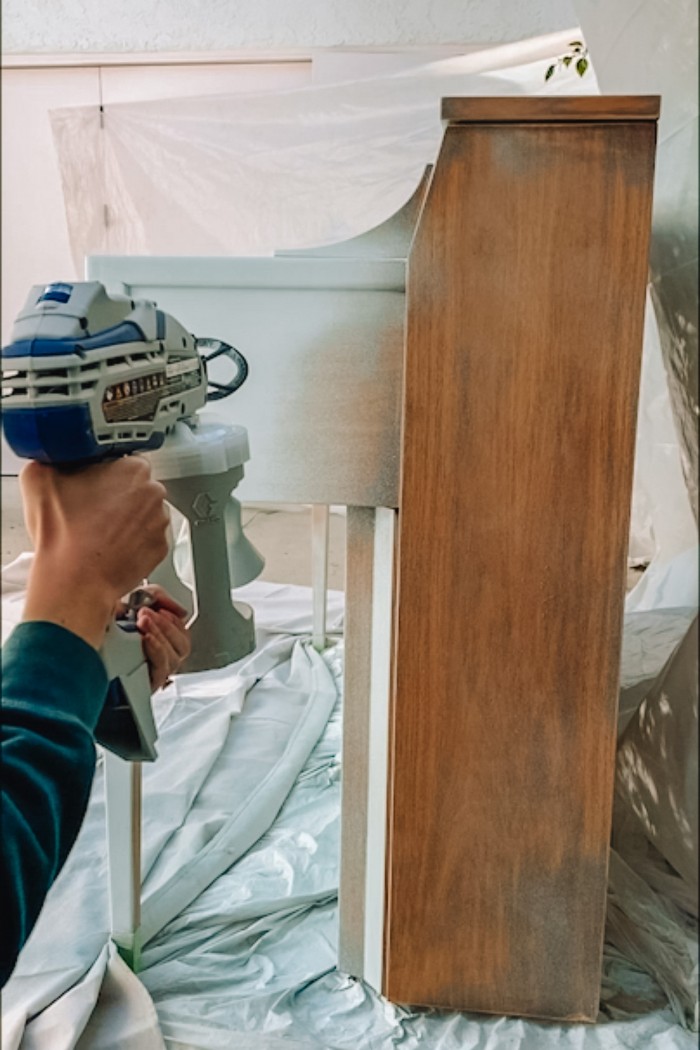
[(524, 331)]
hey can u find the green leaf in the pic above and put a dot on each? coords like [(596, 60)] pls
[(568, 59), (581, 66), (576, 43), (550, 72)]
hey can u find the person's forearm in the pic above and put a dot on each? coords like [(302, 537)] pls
[(53, 690), (60, 594)]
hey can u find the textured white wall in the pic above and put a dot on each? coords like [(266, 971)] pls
[(181, 25)]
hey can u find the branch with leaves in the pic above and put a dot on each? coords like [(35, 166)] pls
[(578, 55)]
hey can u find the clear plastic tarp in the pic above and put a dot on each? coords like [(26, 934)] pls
[(252, 174), (651, 47)]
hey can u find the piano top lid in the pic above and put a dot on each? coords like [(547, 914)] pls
[(556, 108)]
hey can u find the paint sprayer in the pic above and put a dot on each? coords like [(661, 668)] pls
[(89, 376)]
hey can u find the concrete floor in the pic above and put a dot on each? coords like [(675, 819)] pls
[(282, 535)]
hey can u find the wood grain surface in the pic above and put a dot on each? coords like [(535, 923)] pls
[(521, 110), (524, 331)]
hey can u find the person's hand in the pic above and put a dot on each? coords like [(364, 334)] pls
[(166, 640), (97, 532), (109, 519)]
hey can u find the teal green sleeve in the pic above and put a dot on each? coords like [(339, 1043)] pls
[(53, 688)]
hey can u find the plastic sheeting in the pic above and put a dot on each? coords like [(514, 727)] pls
[(662, 524), (657, 764), (252, 174), (644, 47), (249, 960), (652, 881)]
